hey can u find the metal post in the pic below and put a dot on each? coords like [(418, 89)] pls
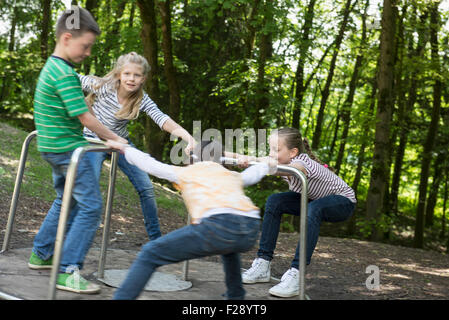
[(302, 227), (107, 215), (65, 210), (15, 196), (185, 269)]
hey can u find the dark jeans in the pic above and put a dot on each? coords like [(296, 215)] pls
[(85, 211), (223, 234), (142, 183), (332, 208)]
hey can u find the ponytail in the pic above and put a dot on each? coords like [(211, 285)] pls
[(293, 139)]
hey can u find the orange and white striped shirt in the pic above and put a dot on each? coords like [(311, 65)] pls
[(207, 187)]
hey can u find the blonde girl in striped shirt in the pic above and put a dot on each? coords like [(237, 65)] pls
[(330, 200), (115, 100)]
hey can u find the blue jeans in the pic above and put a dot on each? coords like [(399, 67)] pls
[(84, 216), (332, 208), (142, 183), (223, 234)]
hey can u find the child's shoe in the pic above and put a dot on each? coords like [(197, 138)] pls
[(289, 285), (74, 282), (259, 272), (37, 263)]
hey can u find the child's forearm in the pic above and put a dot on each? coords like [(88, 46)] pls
[(173, 128), (92, 123)]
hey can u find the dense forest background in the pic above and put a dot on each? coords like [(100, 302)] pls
[(365, 82)]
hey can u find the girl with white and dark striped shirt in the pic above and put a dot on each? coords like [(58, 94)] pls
[(330, 199), (118, 98), (106, 105), (321, 181)]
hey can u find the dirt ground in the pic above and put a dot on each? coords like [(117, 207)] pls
[(338, 270)]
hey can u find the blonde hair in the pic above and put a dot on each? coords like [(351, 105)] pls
[(130, 110)]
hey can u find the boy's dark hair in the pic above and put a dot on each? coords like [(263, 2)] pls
[(76, 21), (207, 150)]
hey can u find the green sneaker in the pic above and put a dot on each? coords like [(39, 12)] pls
[(37, 263), (74, 282)]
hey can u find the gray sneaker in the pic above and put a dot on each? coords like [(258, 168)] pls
[(259, 272)]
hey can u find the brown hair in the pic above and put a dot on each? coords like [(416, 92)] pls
[(293, 139), (76, 21)]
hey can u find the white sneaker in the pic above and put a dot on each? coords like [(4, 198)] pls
[(259, 272), (289, 285)]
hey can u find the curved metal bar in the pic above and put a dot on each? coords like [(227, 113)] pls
[(16, 193), (302, 227), (65, 209), (107, 215)]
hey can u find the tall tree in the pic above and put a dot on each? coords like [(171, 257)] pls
[(169, 68), (326, 90), (4, 92), (406, 109), (154, 140), (379, 172), (304, 46), (347, 105), (92, 7), (433, 127), (46, 22), (265, 52)]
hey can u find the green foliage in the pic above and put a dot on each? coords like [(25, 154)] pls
[(229, 80)]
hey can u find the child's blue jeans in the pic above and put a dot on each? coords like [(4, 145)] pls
[(85, 212), (334, 208), (142, 183), (223, 234)]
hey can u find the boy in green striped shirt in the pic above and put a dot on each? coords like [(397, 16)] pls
[(60, 113)]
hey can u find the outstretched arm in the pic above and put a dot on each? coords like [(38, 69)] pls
[(144, 161), (256, 172), (173, 128)]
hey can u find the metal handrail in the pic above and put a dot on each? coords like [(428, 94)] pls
[(302, 224), (16, 193), (98, 146), (65, 208)]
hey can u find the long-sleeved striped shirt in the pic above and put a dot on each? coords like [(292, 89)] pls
[(58, 100), (321, 181), (106, 105)]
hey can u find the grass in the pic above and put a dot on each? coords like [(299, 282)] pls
[(37, 180), (37, 183)]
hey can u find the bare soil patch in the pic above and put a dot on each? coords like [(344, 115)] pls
[(337, 271)]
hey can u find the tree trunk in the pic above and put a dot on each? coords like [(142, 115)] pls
[(154, 137), (404, 114), (433, 192), (265, 52), (379, 171), (431, 133), (46, 22), (443, 217), (299, 76), (326, 91), (4, 92), (91, 6), (347, 105), (351, 227), (169, 68), (400, 97)]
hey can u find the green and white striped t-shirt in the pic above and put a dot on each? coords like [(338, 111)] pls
[(58, 101)]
